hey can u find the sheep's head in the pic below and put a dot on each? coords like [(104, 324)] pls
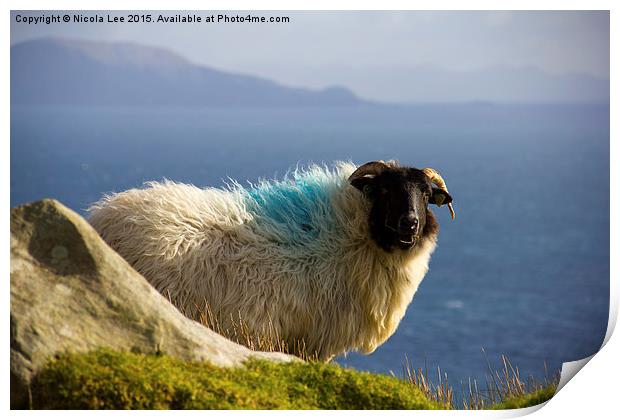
[(399, 216)]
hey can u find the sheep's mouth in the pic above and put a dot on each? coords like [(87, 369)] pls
[(404, 240), (407, 240)]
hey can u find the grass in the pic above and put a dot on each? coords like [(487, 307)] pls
[(108, 379), (503, 388), (527, 400), (238, 331)]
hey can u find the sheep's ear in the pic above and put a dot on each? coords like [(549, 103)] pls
[(440, 197), (364, 177), (365, 184)]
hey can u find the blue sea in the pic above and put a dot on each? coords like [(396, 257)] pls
[(523, 271)]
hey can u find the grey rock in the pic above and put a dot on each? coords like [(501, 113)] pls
[(71, 292)]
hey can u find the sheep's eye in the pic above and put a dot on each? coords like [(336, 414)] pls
[(367, 189), (426, 196)]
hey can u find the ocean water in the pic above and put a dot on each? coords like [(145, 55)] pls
[(523, 271)]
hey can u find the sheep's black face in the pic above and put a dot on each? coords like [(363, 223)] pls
[(399, 216)]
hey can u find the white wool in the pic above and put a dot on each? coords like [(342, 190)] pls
[(333, 289)]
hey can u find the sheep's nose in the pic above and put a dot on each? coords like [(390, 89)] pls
[(408, 223)]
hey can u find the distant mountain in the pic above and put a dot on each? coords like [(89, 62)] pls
[(87, 73), (492, 84)]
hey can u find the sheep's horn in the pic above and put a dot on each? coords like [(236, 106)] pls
[(370, 169), (438, 180)]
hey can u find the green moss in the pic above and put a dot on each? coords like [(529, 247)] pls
[(107, 379), (124, 380), (528, 400)]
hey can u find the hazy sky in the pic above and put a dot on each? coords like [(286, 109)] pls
[(363, 50)]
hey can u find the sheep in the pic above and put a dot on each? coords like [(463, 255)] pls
[(329, 258)]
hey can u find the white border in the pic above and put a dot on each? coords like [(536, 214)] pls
[(593, 394), (311, 5)]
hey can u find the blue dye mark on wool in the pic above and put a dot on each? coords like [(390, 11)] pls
[(298, 206)]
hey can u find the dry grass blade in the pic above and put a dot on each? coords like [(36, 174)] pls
[(441, 393), (267, 340), (501, 385)]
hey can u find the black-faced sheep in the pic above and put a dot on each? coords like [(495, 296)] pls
[(327, 258)]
